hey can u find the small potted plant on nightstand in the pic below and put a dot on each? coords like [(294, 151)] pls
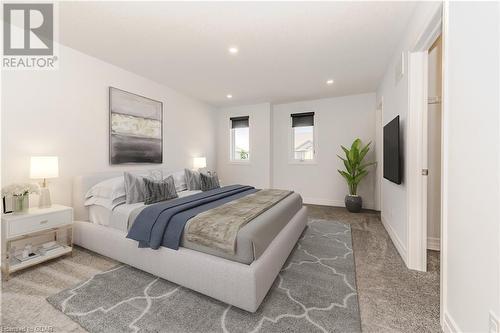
[(354, 172), (20, 195)]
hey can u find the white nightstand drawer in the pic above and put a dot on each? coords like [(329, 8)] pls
[(35, 223)]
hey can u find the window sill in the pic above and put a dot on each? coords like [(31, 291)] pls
[(240, 162), (297, 162)]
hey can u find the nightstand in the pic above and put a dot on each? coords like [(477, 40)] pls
[(42, 225)]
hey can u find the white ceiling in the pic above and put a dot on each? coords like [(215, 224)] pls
[(287, 50)]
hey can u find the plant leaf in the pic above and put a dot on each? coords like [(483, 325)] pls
[(351, 157), (348, 167), (367, 165), (364, 151), (346, 151), (346, 164), (355, 144), (359, 176), (347, 176)]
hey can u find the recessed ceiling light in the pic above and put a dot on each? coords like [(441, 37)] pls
[(233, 50), (329, 82), (229, 96)]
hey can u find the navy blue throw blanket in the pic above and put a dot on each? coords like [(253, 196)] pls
[(162, 224)]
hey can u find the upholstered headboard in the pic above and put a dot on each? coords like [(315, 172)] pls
[(81, 184)]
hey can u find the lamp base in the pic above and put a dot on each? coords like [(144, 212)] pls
[(44, 200)]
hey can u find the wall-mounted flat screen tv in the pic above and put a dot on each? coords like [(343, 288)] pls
[(392, 162)]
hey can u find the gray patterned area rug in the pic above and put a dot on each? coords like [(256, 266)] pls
[(314, 292)]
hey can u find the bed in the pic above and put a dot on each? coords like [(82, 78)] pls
[(241, 279)]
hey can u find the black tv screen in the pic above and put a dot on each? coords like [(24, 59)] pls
[(392, 164)]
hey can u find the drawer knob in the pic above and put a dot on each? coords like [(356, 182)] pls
[(44, 221)]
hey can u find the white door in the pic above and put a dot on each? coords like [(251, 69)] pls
[(434, 147)]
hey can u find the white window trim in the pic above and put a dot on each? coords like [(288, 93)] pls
[(231, 145), (291, 146)]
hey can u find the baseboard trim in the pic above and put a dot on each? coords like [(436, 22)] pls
[(449, 324), (395, 240), (323, 202), (334, 203), (433, 243)]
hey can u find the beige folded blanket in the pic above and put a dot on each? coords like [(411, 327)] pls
[(217, 228)]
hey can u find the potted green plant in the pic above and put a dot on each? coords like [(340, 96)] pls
[(355, 171)]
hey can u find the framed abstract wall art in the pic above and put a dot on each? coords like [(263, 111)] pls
[(135, 128)]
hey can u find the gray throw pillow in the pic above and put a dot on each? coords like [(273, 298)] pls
[(192, 180), (157, 191), (134, 185), (134, 188), (209, 181)]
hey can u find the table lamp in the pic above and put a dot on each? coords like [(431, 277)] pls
[(44, 167), (199, 162)]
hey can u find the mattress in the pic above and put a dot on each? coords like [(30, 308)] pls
[(251, 241)]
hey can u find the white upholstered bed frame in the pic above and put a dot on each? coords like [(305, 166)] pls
[(241, 285)]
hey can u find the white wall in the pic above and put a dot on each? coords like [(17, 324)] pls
[(65, 113), (472, 146), (471, 238), (257, 172), (395, 102), (338, 121)]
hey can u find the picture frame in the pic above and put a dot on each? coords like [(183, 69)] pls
[(4, 206), (135, 128)]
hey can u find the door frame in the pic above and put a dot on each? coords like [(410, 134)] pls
[(379, 139)]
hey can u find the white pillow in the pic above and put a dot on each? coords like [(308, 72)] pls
[(112, 189), (105, 202), (179, 180), (156, 174)]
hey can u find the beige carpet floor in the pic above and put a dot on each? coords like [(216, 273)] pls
[(391, 297)]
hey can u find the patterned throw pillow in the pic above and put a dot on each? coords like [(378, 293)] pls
[(134, 185), (209, 181), (192, 180), (157, 191)]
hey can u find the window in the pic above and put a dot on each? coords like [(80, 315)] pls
[(240, 139), (303, 136)]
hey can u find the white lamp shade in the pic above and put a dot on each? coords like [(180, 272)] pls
[(44, 167), (199, 162)]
